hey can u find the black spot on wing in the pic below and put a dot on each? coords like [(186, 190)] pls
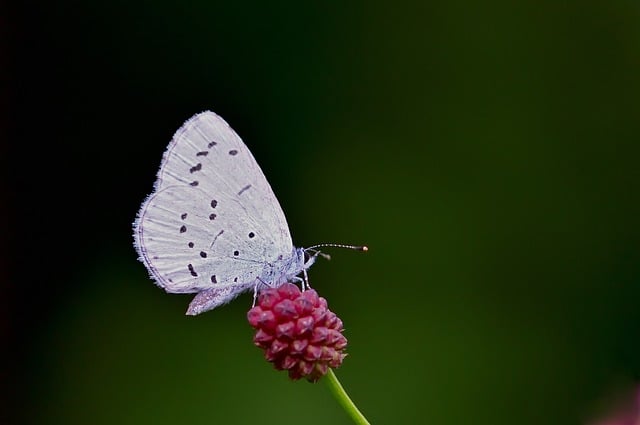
[(244, 189)]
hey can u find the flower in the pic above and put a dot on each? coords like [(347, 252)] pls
[(297, 332)]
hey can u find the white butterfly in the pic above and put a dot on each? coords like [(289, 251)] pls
[(213, 226)]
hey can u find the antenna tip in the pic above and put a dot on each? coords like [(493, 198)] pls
[(364, 248)]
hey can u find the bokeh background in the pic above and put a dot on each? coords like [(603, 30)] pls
[(486, 152)]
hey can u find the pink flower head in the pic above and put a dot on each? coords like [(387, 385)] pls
[(297, 332)]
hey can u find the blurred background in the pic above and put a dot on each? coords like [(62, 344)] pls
[(487, 153)]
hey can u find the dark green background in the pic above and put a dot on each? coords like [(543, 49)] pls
[(488, 154)]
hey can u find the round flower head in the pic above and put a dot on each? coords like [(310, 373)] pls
[(297, 332)]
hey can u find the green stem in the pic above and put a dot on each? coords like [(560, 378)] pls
[(344, 399)]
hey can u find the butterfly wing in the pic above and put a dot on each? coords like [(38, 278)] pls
[(213, 221)]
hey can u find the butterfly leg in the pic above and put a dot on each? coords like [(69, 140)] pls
[(300, 281), (306, 279), (255, 289), (255, 294), (307, 264)]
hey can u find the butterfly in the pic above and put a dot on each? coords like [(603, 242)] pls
[(213, 225)]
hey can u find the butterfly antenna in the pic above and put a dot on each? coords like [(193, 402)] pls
[(362, 248), (338, 245)]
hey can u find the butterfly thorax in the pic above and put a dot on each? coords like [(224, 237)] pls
[(285, 268)]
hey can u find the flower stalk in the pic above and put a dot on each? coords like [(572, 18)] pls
[(345, 401)]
